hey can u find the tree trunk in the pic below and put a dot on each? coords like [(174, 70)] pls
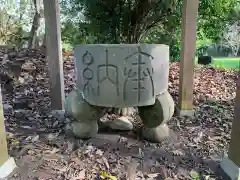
[(23, 5), (35, 25)]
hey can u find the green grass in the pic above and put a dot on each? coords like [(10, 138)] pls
[(224, 62), (228, 63)]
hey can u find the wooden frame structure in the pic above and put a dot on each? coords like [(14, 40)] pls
[(230, 164), (188, 46), (54, 53)]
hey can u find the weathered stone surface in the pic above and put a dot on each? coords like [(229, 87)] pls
[(122, 75), (77, 108), (129, 111), (159, 113), (59, 114), (157, 134), (169, 100), (121, 123), (84, 129)]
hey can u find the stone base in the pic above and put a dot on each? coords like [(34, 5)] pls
[(59, 114), (7, 168), (61, 111), (189, 113), (159, 113), (157, 134), (230, 168)]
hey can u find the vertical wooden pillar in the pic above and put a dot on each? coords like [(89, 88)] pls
[(188, 46), (231, 164), (7, 164), (234, 149), (54, 53), (3, 141)]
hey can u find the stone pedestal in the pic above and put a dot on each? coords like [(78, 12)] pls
[(189, 113), (120, 76)]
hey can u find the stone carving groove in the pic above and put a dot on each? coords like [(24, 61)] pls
[(87, 74), (122, 75), (106, 67), (139, 79)]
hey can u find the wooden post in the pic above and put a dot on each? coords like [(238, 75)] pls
[(231, 164), (234, 149), (188, 46), (7, 164), (54, 53), (3, 141)]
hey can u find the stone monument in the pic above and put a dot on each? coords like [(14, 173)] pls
[(121, 75)]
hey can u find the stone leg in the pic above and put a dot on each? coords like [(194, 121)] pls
[(128, 111), (85, 116), (155, 118)]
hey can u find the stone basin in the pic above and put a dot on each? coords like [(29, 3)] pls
[(121, 75)]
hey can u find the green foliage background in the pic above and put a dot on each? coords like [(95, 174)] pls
[(156, 21), (122, 21)]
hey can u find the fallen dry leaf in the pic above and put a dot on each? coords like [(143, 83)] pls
[(26, 111)]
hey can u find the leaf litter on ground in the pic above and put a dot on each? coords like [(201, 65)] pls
[(37, 141)]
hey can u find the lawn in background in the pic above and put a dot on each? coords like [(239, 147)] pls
[(224, 62)]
